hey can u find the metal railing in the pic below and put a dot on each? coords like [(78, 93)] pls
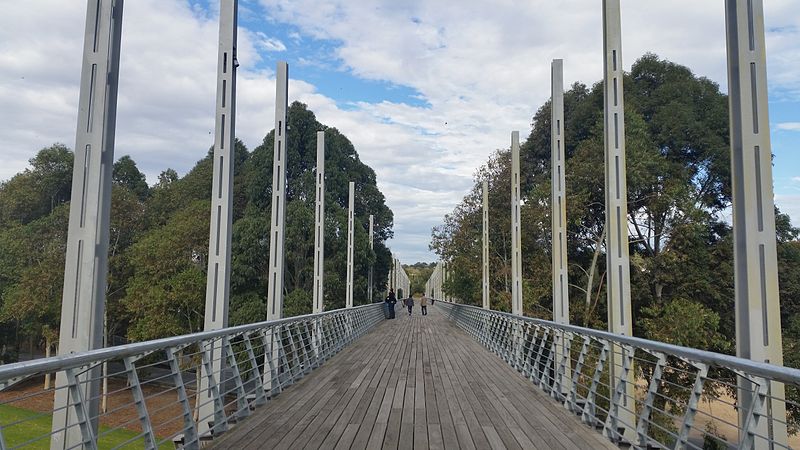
[(662, 396), (177, 391)]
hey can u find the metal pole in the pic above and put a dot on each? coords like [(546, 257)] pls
[(371, 249), (275, 291), (758, 324), (86, 266), (559, 215), (516, 237), (319, 228), (278, 219), (485, 253), (351, 207), (219, 246), (558, 205), (618, 262)]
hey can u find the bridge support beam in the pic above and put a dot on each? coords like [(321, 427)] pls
[(485, 252), (516, 233), (278, 223), (371, 249), (86, 266), (319, 228), (219, 247), (350, 230), (758, 323), (559, 216), (618, 260)]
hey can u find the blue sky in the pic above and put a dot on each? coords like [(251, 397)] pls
[(424, 90)]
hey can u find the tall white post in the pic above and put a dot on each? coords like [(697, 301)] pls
[(443, 280), (758, 321), (86, 266), (559, 216), (371, 248), (219, 247), (485, 253), (516, 236), (350, 210), (319, 228), (618, 262), (558, 204), (278, 219)]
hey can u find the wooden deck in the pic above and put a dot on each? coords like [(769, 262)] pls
[(414, 382)]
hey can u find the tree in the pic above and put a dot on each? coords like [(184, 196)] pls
[(38, 190), (125, 173)]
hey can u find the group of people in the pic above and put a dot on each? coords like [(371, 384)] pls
[(391, 300)]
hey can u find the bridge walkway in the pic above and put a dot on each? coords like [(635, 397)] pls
[(414, 382)]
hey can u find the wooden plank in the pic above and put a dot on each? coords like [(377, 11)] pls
[(415, 382)]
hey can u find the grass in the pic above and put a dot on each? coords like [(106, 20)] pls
[(35, 425)]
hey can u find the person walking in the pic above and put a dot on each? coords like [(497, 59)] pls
[(391, 300), (410, 304), (423, 303)]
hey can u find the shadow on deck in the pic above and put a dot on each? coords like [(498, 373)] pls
[(415, 382)]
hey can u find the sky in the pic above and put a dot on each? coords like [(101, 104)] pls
[(425, 89)]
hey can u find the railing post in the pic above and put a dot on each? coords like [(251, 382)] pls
[(565, 341), (285, 367), (573, 393), (691, 406), (80, 406), (141, 407), (529, 357), (537, 373), (754, 411), (271, 362), (547, 382), (191, 440), (220, 422), (243, 409), (618, 399), (260, 395), (642, 424), (589, 413)]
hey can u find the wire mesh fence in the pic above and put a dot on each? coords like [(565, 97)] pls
[(645, 393), (167, 393)]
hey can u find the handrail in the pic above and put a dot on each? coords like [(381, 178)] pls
[(778, 373), (183, 389), (79, 359), (643, 392)]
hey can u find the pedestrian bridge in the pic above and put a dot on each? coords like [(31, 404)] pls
[(460, 377), (414, 382)]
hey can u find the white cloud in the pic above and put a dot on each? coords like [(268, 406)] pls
[(482, 69), (269, 44), (789, 204), (788, 126)]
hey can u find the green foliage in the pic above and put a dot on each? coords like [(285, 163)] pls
[(419, 273), (125, 173), (681, 247), (37, 191), (165, 295), (698, 326), (158, 252)]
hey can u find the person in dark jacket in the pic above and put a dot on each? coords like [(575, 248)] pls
[(391, 300), (410, 304)]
